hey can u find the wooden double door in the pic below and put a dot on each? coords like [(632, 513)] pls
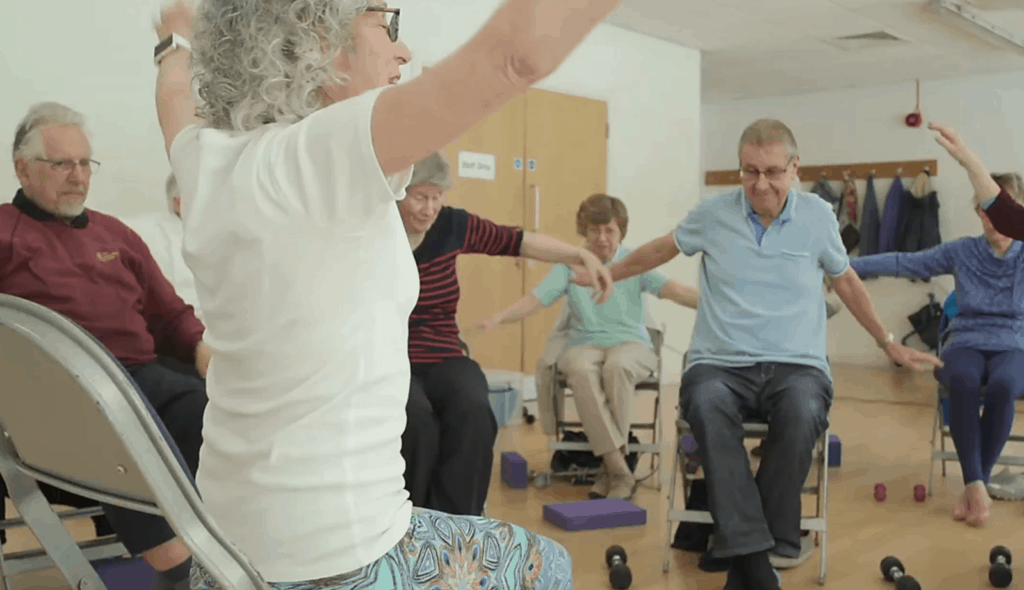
[(529, 165)]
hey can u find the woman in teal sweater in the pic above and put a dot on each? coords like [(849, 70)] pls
[(985, 344)]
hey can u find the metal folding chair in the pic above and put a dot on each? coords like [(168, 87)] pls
[(940, 426), (816, 524), (73, 418)]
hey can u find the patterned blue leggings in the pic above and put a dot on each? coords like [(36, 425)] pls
[(446, 552)]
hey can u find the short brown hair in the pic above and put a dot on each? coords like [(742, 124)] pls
[(599, 209), (1012, 183)]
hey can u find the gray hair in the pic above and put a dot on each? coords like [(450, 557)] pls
[(258, 61), (28, 142), (171, 188), (765, 131), (433, 169)]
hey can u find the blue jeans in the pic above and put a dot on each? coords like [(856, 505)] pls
[(753, 514), (443, 551), (979, 440)]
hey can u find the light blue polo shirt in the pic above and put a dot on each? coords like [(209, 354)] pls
[(761, 297), (617, 321)]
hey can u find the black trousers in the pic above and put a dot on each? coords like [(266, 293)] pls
[(178, 395), (762, 512), (448, 443)]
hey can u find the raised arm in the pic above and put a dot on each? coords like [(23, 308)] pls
[(175, 108), (521, 44), (1006, 215)]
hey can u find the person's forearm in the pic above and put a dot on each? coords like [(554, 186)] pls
[(681, 294), (548, 249), (981, 180), (203, 357), (525, 307), (855, 296), (647, 257), (175, 108)]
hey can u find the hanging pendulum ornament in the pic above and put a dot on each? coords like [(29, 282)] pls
[(914, 118)]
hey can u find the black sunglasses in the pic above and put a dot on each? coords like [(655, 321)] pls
[(393, 24)]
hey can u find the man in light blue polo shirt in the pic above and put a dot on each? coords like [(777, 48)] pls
[(759, 348), (607, 348)]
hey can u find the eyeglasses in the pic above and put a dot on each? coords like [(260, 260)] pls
[(772, 174), (69, 166), (392, 24)]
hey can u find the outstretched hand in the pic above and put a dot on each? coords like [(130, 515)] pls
[(908, 357), (949, 139), (595, 274)]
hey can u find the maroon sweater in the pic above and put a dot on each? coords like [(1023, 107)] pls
[(100, 274), (1007, 216), (433, 333)]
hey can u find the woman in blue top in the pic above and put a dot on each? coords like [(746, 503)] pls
[(608, 349), (985, 344)]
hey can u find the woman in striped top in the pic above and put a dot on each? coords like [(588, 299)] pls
[(448, 443)]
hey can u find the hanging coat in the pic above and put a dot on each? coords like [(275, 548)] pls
[(920, 229), (892, 217), (869, 224), (823, 189), (848, 215)]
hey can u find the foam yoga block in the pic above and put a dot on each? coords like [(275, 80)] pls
[(835, 451), (594, 514), (124, 574), (513, 470)]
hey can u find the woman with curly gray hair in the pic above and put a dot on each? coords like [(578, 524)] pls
[(289, 169)]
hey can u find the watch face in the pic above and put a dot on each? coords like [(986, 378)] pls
[(162, 46)]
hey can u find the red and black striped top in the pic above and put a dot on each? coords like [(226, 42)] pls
[(433, 332)]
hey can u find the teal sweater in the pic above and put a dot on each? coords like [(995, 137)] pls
[(989, 289)]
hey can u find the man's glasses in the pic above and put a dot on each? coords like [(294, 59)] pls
[(69, 166), (392, 24)]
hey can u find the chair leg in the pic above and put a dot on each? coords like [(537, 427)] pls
[(671, 506), (47, 528), (823, 506)]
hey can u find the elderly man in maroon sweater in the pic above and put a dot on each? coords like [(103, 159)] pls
[(96, 271)]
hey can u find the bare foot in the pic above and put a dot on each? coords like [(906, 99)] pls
[(961, 508), (979, 503)]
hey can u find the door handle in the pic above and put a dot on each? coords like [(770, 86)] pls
[(536, 207)]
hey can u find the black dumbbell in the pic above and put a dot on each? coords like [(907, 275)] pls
[(1000, 574), (893, 570), (528, 417), (620, 576)]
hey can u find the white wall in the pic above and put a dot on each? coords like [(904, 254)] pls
[(652, 89), (867, 126)]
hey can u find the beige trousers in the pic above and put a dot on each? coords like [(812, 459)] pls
[(603, 382)]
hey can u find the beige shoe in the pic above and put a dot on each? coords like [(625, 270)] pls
[(622, 484), (601, 485)]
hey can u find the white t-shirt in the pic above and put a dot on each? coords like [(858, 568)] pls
[(163, 234), (307, 281)]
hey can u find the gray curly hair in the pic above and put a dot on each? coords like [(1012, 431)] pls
[(435, 170), (263, 61)]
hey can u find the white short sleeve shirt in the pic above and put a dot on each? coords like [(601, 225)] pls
[(306, 280)]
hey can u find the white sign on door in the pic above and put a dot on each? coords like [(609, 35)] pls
[(475, 165)]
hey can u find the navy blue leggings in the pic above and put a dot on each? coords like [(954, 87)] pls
[(980, 439)]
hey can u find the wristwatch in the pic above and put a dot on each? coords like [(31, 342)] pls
[(889, 339), (169, 45)]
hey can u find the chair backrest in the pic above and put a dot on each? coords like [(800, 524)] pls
[(74, 418)]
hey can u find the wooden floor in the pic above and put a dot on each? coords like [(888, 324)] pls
[(884, 418)]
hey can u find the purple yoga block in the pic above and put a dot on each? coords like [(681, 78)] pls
[(124, 574), (835, 451), (513, 470), (594, 514)]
